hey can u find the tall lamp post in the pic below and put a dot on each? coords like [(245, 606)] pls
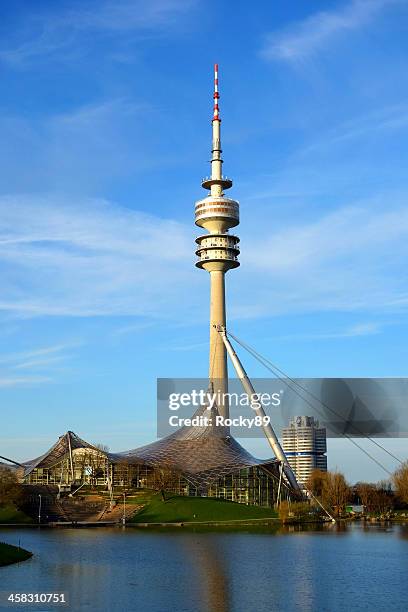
[(39, 509), (124, 509)]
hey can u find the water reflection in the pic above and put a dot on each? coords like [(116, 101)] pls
[(326, 567), (211, 565), (403, 531)]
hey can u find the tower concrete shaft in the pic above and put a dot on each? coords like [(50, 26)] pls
[(218, 369), (217, 252)]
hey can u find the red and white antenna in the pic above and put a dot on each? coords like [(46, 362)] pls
[(216, 96)]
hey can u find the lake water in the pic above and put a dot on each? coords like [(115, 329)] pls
[(330, 569)]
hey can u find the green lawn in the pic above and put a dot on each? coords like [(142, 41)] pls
[(179, 509), (11, 554), (143, 496), (10, 514)]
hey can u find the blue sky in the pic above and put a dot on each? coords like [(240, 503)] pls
[(105, 136)]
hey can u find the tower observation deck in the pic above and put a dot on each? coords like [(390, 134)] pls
[(217, 251)]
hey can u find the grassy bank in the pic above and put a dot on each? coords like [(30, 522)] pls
[(10, 514), (179, 509), (11, 554)]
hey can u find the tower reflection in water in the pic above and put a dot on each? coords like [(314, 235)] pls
[(212, 572)]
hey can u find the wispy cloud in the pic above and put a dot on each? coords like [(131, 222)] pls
[(307, 37), (91, 258), (128, 14), (380, 121), (334, 237), (96, 143), (362, 329), (354, 331), (43, 359), (34, 354), (61, 32), (349, 260), (133, 328), (23, 381), (40, 363)]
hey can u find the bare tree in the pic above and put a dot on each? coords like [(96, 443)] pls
[(122, 472), (366, 492), (336, 491), (400, 479), (383, 499), (315, 482), (10, 490), (166, 478), (375, 497)]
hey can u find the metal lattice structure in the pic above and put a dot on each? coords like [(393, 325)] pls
[(63, 448), (203, 454), (204, 461)]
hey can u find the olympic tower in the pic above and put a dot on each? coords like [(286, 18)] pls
[(217, 252)]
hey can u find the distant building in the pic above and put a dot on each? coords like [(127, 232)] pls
[(304, 443)]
